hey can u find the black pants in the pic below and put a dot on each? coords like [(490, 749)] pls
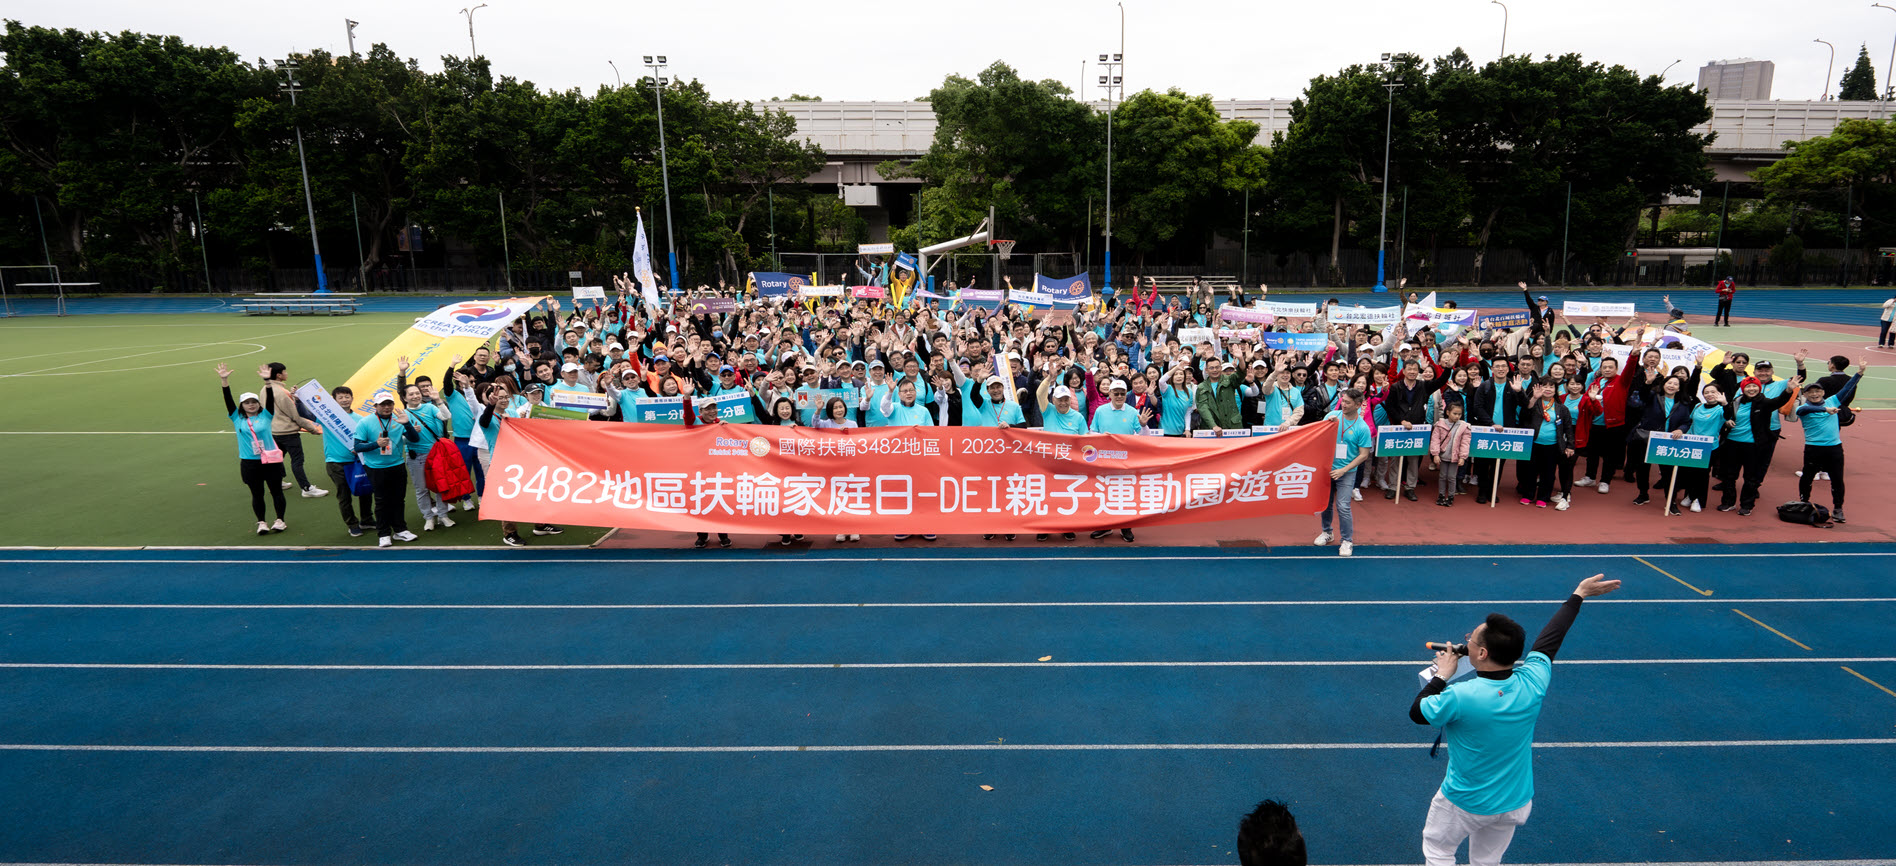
[(292, 446), (391, 487), (1538, 471), (339, 476), (1823, 458), (1636, 464), (1694, 482), (259, 477), (1753, 459), (1564, 469), (1882, 335), (1724, 311), (1606, 451)]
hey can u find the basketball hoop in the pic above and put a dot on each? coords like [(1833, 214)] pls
[(1003, 249)]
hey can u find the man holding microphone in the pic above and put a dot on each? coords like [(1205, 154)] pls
[(1488, 723)]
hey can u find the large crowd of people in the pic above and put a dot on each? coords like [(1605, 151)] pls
[(1118, 367)]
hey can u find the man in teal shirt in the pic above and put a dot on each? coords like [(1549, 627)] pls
[(1118, 418), (338, 455), (1353, 443), (382, 440), (1488, 723)]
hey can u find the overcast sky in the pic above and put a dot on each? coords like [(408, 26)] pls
[(856, 50)]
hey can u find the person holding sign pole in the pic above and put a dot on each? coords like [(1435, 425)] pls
[(1406, 403), (1667, 410), (1353, 444), (338, 456)]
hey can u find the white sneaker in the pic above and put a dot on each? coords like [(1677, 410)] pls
[(840, 538), (1604, 487), (1562, 504), (1697, 506), (854, 537), (279, 526), (314, 492), (1584, 482), (1356, 494), (1799, 473), (467, 504), (384, 541), (287, 484), (445, 520), (1323, 538), (427, 525), (1344, 549), (405, 535), (1822, 476)]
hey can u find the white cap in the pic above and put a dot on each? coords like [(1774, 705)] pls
[(1260, 363), (1062, 391), (614, 345), (1405, 347), (569, 367), (994, 380), (248, 395), (1361, 349), (1117, 385)]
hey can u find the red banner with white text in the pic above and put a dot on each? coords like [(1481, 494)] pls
[(893, 480)]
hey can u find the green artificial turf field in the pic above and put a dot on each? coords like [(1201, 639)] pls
[(115, 433)]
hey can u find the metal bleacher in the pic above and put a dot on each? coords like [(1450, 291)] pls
[(300, 304)]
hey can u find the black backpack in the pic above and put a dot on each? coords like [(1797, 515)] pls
[(1845, 417), (1804, 513)]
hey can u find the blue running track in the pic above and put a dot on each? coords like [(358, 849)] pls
[(1123, 706)]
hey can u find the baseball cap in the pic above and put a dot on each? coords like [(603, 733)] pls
[(1762, 362), (614, 347), (660, 357), (727, 369), (877, 365), (1405, 347), (569, 367), (629, 373), (1117, 385), (1062, 391), (251, 395), (1542, 298), (1361, 349), (1259, 363), (994, 380)]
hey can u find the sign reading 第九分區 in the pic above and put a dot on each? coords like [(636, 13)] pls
[(1500, 443), (1695, 452), (1395, 441)]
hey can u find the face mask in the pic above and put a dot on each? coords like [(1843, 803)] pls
[(509, 368)]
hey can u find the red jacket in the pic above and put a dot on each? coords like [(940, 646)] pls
[(1613, 392)]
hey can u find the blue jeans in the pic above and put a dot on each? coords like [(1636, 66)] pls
[(1340, 505)]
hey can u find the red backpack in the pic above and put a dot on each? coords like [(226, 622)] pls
[(445, 473)]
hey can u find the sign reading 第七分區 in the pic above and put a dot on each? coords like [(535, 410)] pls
[(1695, 452), (1500, 443), (1395, 441)]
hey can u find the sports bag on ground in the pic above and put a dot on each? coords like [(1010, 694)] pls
[(1804, 513)]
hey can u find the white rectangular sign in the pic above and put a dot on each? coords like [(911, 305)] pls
[(875, 249), (589, 293), (1591, 309), (1365, 315), (1294, 311)]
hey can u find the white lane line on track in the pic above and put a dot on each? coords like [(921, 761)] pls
[(917, 604), (803, 666), (944, 747)]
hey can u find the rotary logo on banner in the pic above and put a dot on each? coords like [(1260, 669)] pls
[(428, 344)]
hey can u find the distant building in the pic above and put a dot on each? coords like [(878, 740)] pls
[(1743, 78)]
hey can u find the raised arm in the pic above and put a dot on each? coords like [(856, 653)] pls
[(1548, 643)]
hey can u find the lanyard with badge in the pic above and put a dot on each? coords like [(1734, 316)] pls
[(1342, 447)]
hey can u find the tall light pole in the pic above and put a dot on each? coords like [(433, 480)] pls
[(1829, 69), (1382, 230), (664, 173), (615, 73), (1111, 83), (351, 25), (291, 85), (1887, 93), (472, 52), (1504, 26), (1662, 72)]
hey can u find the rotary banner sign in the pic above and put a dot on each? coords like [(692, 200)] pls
[(894, 480)]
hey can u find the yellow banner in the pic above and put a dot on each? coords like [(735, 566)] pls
[(456, 329)]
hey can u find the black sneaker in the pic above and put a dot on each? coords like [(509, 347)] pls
[(1744, 511), (512, 539), (1042, 537), (1126, 533), (1389, 494), (987, 538), (1409, 494), (1726, 507), (1009, 536), (1067, 535), (1100, 533), (1642, 500), (546, 529), (724, 540), (699, 543), (1836, 516), (355, 532)]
